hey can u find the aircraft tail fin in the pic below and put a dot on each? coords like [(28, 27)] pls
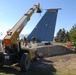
[(44, 30)]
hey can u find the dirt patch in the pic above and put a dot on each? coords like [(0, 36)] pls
[(53, 50), (59, 65), (59, 61), (66, 64)]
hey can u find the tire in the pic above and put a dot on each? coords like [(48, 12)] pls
[(36, 56), (25, 62), (1, 59), (1, 64)]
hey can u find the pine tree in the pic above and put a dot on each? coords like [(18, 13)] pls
[(73, 33)]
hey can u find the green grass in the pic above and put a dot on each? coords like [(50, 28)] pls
[(59, 43)]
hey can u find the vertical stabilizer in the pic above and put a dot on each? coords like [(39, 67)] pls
[(44, 30)]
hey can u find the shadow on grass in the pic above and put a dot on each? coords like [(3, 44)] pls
[(40, 67)]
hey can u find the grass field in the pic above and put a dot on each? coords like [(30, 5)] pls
[(59, 43)]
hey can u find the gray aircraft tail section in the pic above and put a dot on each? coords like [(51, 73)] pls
[(44, 30)]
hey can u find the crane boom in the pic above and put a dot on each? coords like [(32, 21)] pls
[(13, 34)]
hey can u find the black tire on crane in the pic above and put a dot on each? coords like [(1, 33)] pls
[(1, 59), (1, 64), (25, 62), (36, 57)]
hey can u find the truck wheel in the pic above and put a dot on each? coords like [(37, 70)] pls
[(1, 64), (25, 62), (36, 56), (1, 59)]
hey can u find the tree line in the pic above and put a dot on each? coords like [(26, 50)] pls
[(64, 36)]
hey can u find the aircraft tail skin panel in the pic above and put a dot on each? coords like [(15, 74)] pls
[(44, 30)]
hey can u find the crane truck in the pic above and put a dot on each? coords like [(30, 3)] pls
[(13, 53)]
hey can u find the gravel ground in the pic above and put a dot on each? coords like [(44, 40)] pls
[(60, 61), (59, 65), (63, 63)]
